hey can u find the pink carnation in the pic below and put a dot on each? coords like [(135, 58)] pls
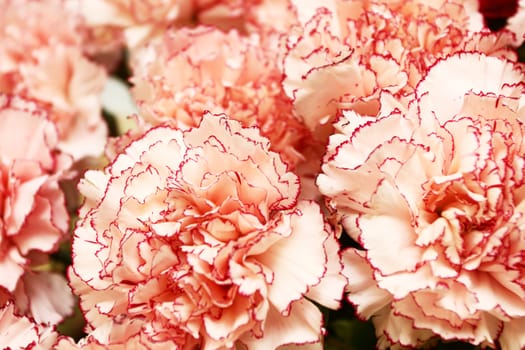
[(204, 69), (139, 21), (19, 332), (43, 58), (26, 25), (247, 16), (197, 238), (435, 197), (34, 216), (348, 52)]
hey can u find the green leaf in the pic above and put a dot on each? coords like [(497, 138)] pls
[(350, 334)]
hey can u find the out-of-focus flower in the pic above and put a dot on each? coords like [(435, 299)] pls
[(34, 218), (203, 69), (44, 295), (247, 16), (198, 238), (435, 197), (505, 15), (516, 23), (139, 21), (347, 52), (63, 77), (26, 25), (41, 56), (495, 14), (19, 332)]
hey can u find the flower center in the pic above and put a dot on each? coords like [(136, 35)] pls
[(464, 220)]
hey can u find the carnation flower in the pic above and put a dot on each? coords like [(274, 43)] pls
[(64, 78), (247, 16), (19, 332), (26, 25), (43, 58), (140, 21), (204, 69), (197, 237), (508, 14), (34, 216), (348, 52), (434, 195)]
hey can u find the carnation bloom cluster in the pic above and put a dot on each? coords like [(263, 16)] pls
[(262, 174)]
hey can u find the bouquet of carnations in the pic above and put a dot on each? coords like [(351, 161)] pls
[(262, 174)]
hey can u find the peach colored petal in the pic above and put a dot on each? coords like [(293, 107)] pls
[(363, 291), (49, 296), (469, 80), (20, 332), (301, 326), (288, 271), (325, 291)]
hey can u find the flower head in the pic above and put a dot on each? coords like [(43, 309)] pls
[(247, 16), (197, 237), (347, 52), (34, 219), (139, 21), (42, 58), (204, 69), (434, 195)]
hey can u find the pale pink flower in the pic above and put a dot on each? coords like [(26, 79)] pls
[(435, 197), (26, 25), (203, 69), (41, 56), (197, 238), (61, 76), (34, 219), (19, 332), (139, 21), (105, 46), (247, 16), (43, 295), (347, 52)]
